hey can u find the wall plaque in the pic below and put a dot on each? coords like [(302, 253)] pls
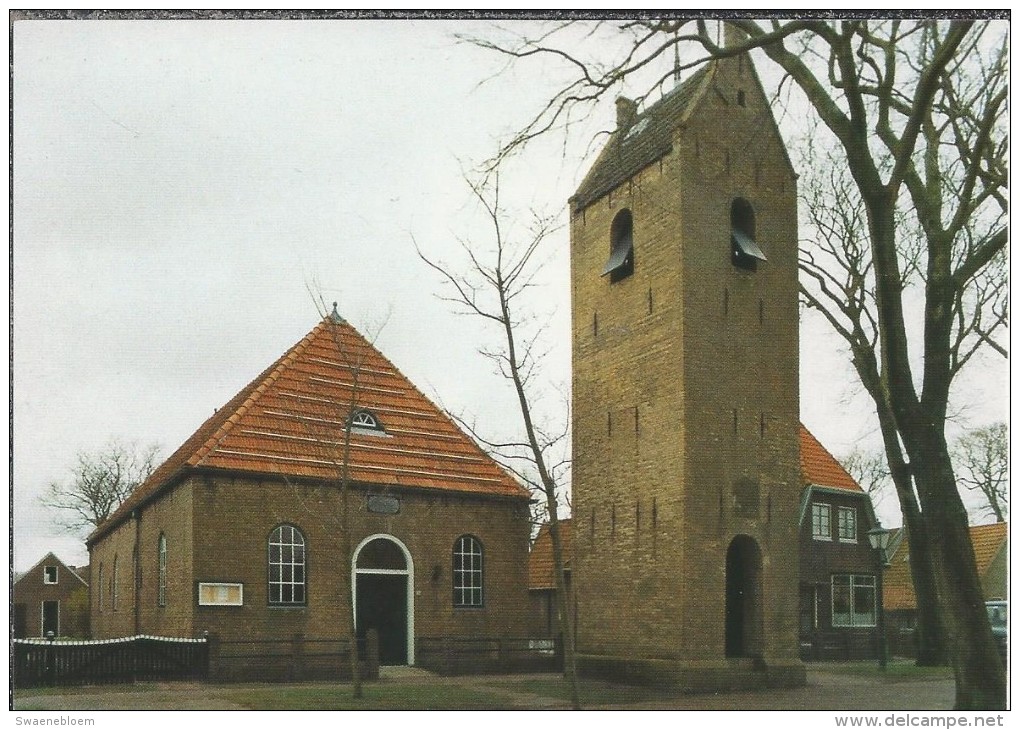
[(383, 504)]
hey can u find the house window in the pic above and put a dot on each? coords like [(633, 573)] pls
[(50, 575), (621, 249), (113, 585), (846, 523), (467, 572), (101, 587), (821, 521), (745, 252), (161, 591), (286, 566), (853, 601)]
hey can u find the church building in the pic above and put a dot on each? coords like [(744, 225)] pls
[(686, 475), (241, 531)]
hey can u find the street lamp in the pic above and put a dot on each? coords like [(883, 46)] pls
[(879, 538)]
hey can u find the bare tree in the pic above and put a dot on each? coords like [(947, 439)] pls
[(870, 470), (494, 288), (982, 456), (837, 280), (917, 110), (99, 482)]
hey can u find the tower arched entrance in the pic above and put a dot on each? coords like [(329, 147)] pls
[(744, 598)]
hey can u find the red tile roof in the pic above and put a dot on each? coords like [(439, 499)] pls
[(898, 586), (541, 574), (289, 422), (820, 468)]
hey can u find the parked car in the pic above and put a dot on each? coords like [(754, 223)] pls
[(998, 617)]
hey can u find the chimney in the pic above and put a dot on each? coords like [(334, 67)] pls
[(733, 36), (626, 113)]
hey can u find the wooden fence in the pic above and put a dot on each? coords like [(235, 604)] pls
[(38, 662), (289, 660), (450, 656)]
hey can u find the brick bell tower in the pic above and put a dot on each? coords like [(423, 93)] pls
[(686, 479)]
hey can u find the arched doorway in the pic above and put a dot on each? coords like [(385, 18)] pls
[(384, 598), (743, 598)]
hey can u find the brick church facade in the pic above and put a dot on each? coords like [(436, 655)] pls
[(685, 391), (239, 532)]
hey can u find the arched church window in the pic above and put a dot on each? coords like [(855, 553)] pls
[(161, 574), (745, 250), (467, 572), (621, 250), (113, 585), (286, 566)]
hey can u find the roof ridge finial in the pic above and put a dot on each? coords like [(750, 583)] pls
[(335, 315)]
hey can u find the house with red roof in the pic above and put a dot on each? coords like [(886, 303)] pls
[(243, 532), (840, 574), (991, 553)]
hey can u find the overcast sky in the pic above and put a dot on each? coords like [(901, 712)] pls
[(181, 187)]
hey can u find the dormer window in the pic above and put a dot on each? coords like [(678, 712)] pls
[(365, 420), (621, 250), (745, 251), (50, 575)]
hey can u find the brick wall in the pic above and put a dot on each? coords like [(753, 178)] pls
[(217, 529), (113, 618)]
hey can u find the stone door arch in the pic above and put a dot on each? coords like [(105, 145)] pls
[(382, 574)]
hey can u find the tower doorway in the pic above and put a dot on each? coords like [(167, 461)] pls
[(383, 599), (743, 598)]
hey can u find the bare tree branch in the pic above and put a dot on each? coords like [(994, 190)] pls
[(99, 483)]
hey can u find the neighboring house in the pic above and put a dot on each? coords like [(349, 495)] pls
[(542, 578), (51, 597), (991, 553), (685, 398), (839, 580), (240, 531)]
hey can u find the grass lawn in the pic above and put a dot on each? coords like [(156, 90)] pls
[(376, 697), (592, 692), (270, 697)]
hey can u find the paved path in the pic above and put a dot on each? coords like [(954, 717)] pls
[(827, 689)]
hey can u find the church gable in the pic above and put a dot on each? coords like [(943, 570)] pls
[(295, 424)]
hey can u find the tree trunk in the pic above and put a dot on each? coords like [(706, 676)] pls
[(566, 622), (980, 676), (928, 631), (351, 575), (929, 635), (920, 424)]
